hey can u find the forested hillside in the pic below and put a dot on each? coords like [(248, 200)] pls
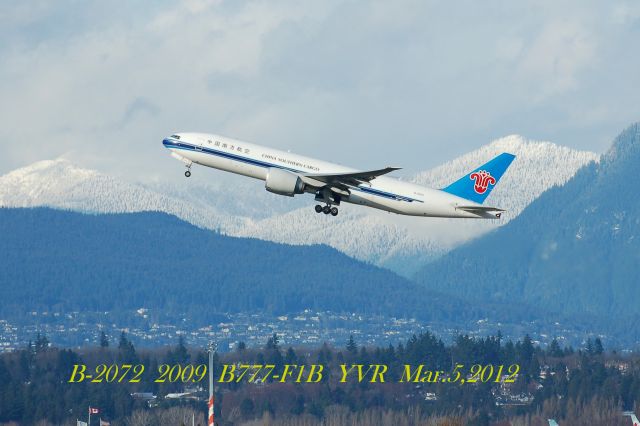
[(576, 249), (61, 261)]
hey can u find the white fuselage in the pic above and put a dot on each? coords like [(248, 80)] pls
[(384, 193)]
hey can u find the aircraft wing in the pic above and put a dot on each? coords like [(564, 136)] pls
[(345, 179)]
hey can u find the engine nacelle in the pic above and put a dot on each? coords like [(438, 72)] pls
[(282, 182)]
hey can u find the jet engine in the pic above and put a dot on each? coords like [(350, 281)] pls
[(283, 182)]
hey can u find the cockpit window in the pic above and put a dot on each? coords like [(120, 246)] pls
[(176, 136)]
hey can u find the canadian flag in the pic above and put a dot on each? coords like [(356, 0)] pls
[(94, 410)]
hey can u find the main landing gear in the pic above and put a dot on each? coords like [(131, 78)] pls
[(187, 173), (327, 209), (327, 197)]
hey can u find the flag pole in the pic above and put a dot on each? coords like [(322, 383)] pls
[(211, 349), (89, 421)]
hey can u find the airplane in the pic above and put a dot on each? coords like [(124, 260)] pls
[(553, 422), (289, 174), (634, 419)]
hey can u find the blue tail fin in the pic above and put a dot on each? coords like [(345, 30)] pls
[(477, 185)]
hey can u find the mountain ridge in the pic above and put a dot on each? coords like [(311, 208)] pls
[(395, 242), (573, 250)]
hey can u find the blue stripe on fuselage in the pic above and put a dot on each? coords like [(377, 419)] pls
[(188, 147), (168, 143)]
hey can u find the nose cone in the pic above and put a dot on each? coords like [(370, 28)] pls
[(171, 141)]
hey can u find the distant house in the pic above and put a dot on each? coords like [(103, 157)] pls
[(181, 396), (430, 396), (145, 396), (621, 366)]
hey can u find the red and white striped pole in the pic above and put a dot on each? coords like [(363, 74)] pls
[(211, 421)]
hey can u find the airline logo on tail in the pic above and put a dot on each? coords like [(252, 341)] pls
[(477, 185), (483, 179)]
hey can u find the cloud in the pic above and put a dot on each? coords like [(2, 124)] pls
[(556, 57), (412, 83)]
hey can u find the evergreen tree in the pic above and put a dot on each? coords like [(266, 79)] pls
[(104, 341), (181, 355), (126, 350), (554, 348), (272, 342), (590, 349), (525, 353), (509, 352), (325, 353), (42, 343), (290, 357), (351, 345), (597, 346), (123, 343)]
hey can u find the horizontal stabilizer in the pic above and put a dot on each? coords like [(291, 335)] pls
[(482, 211), (479, 209)]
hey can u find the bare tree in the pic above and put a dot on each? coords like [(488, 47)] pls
[(141, 418), (179, 416)]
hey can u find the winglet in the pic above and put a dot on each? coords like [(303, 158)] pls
[(477, 184)]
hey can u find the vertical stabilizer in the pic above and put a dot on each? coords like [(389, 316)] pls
[(477, 184)]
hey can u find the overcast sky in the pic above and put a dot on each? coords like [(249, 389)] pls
[(357, 82)]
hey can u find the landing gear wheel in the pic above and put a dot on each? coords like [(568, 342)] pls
[(187, 173), (334, 211), (326, 210), (318, 208)]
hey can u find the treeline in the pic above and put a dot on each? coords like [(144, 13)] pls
[(555, 382), (34, 381)]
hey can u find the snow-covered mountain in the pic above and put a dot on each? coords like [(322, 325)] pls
[(538, 166), (403, 243), (61, 184), (400, 243)]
